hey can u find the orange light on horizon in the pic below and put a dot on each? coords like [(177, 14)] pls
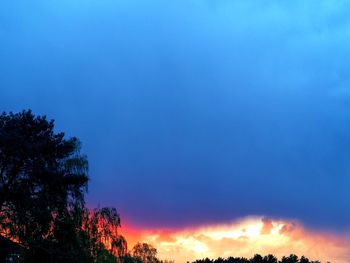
[(243, 238)]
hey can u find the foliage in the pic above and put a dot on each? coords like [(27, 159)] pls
[(43, 178), (100, 226), (144, 253)]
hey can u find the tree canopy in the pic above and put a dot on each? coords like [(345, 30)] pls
[(43, 177), (145, 253), (43, 181)]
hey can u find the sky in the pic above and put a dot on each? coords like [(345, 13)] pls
[(193, 112)]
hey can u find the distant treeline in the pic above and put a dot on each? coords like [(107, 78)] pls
[(259, 259)]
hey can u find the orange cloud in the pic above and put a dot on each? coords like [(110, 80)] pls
[(244, 238)]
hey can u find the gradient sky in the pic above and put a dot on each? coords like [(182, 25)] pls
[(193, 111)]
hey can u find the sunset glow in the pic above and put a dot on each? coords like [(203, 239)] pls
[(245, 238)]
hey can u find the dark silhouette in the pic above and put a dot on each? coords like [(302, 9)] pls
[(258, 259), (145, 253), (43, 179), (42, 182), (100, 227), (9, 249)]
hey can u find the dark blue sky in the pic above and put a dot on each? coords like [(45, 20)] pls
[(192, 111)]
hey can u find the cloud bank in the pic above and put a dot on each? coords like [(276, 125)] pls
[(244, 238)]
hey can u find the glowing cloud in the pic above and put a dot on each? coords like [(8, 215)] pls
[(245, 238)]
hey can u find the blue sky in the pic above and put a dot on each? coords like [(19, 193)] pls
[(192, 111)]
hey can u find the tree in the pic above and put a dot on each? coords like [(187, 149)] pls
[(303, 259), (270, 259), (144, 253), (256, 259), (43, 178), (100, 226), (291, 259)]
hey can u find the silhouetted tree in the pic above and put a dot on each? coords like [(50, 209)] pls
[(258, 259), (43, 177), (303, 259), (270, 259), (128, 259), (101, 228), (290, 259), (144, 253)]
